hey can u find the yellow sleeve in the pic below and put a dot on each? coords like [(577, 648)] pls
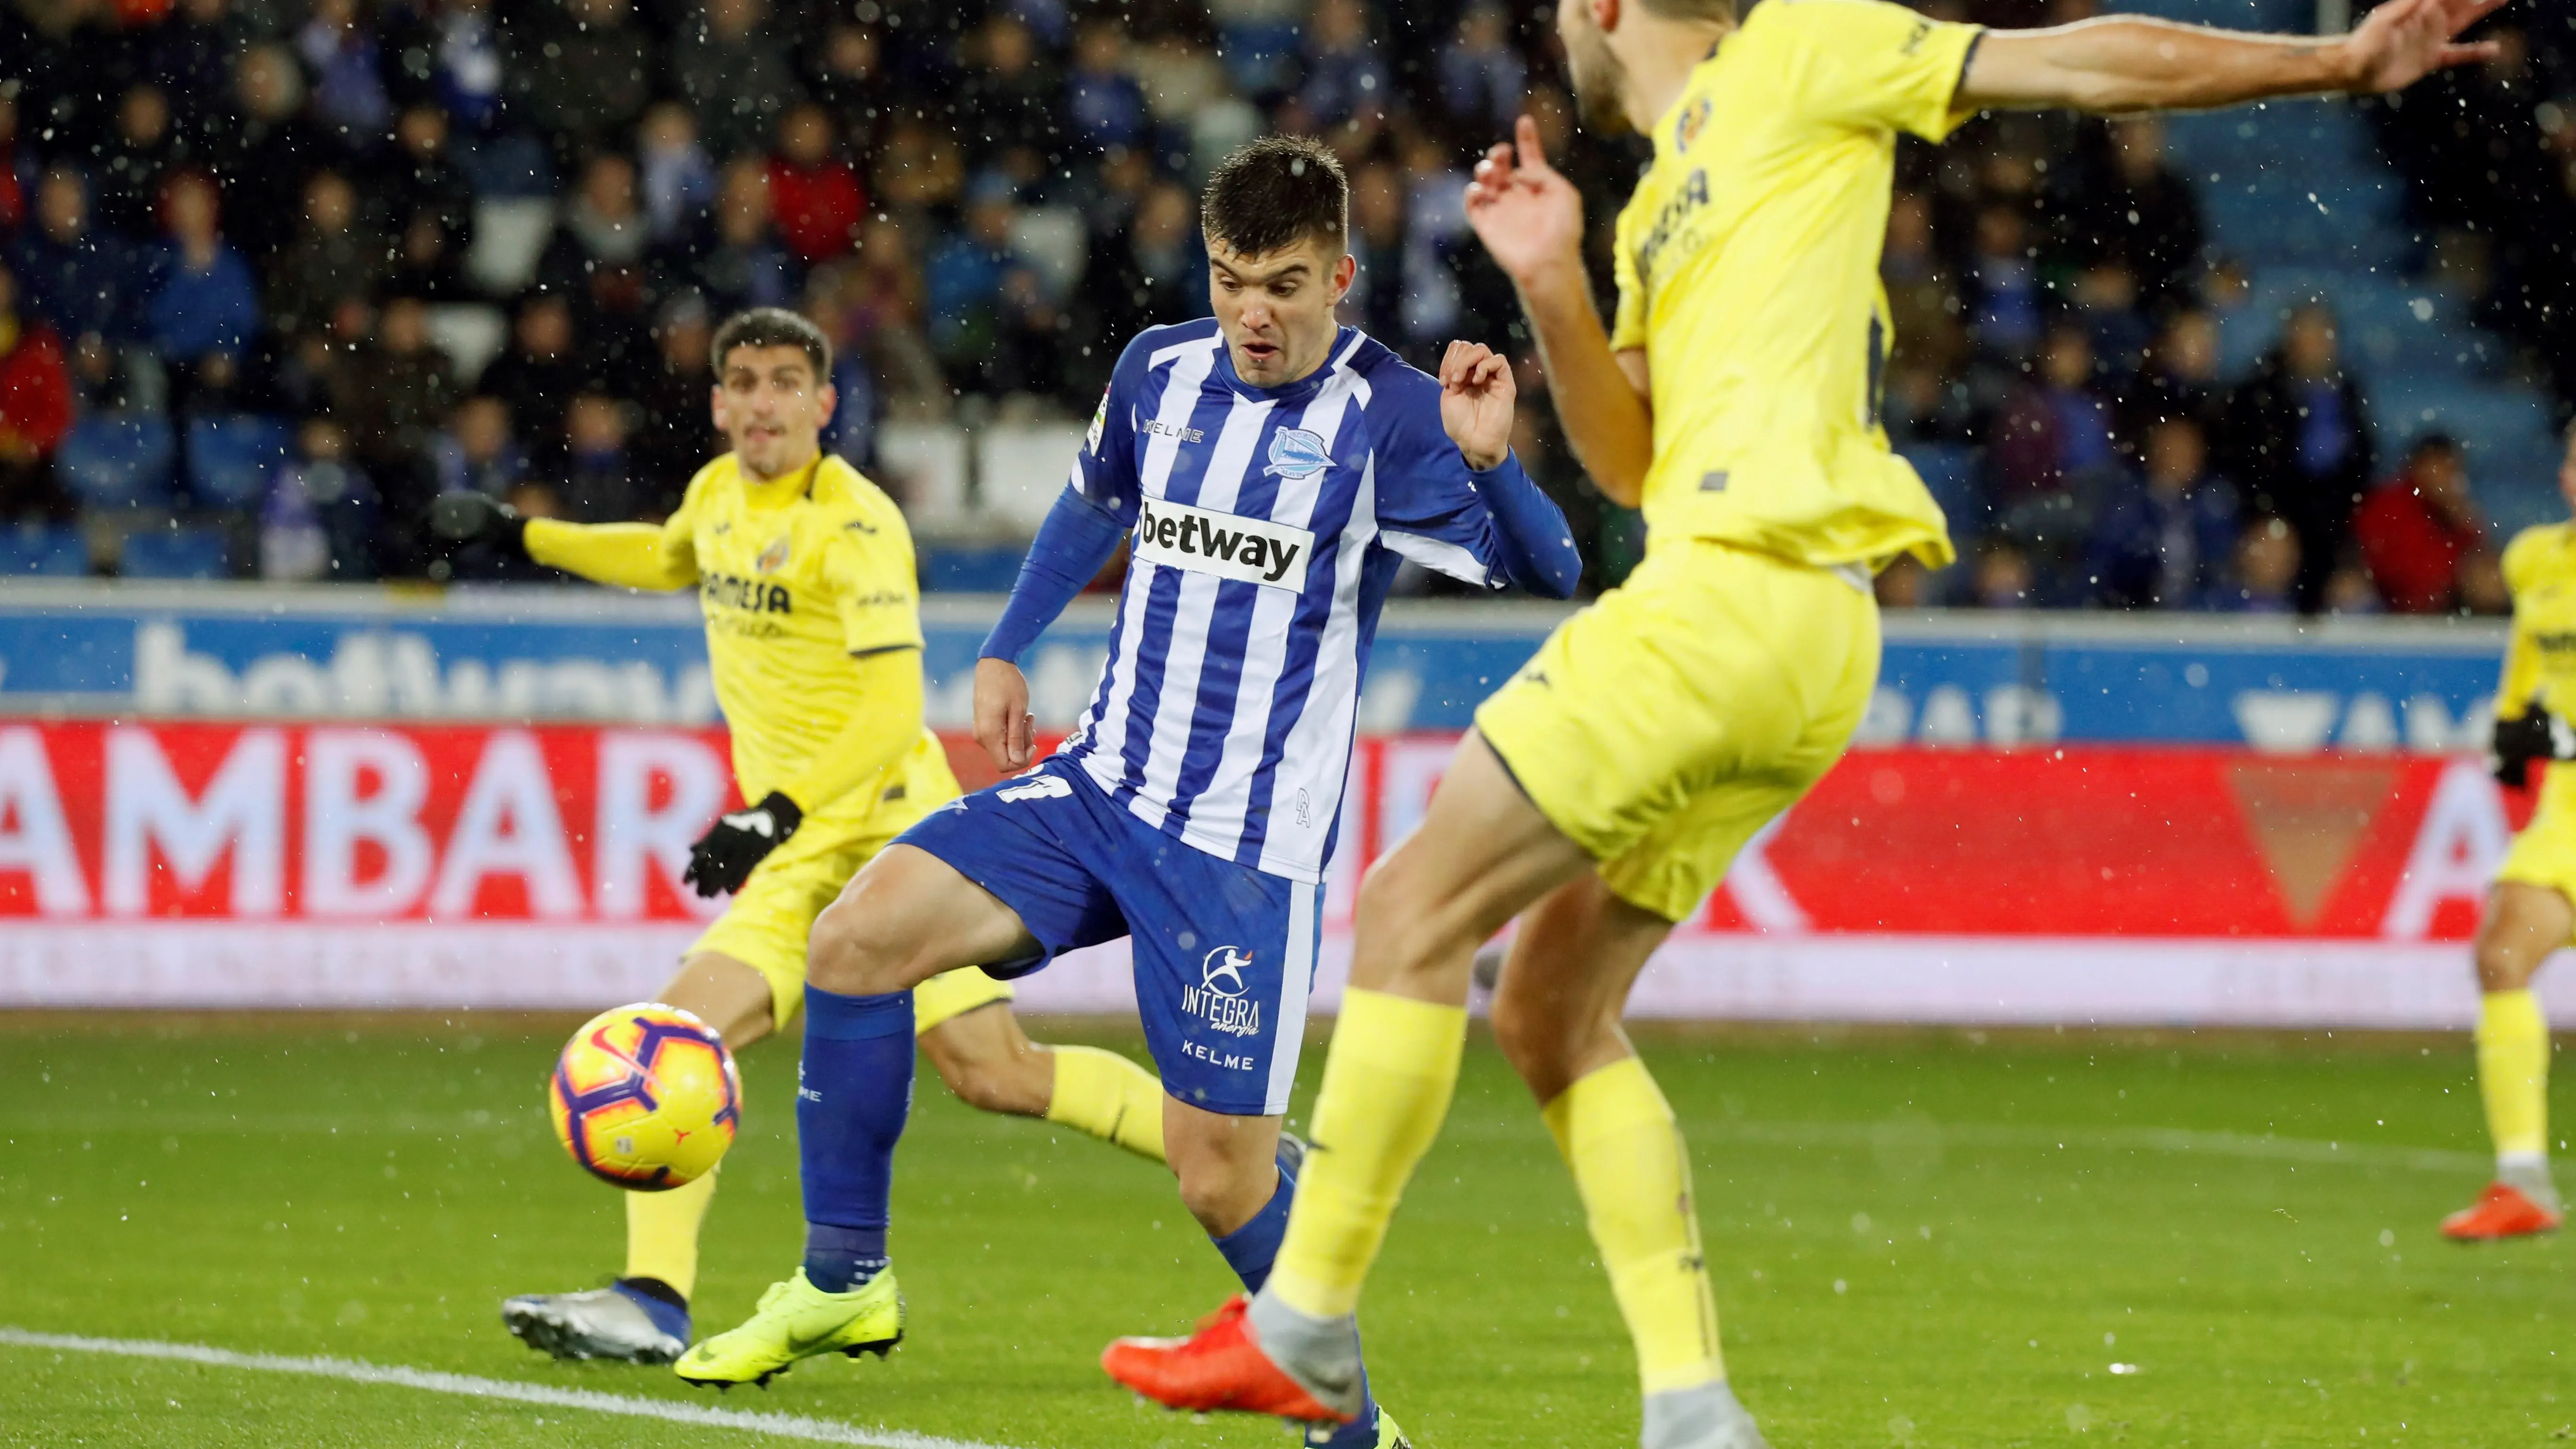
[(870, 564), (1628, 321), (1871, 63), (886, 724), (627, 555), (2521, 679)]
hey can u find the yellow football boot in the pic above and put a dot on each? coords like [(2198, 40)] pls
[(797, 1320)]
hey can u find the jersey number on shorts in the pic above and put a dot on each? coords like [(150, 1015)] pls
[(1041, 787)]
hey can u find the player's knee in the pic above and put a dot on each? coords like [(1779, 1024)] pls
[(993, 1084), (853, 952), (1545, 1046), (2504, 962), (1219, 1196), (1407, 927)]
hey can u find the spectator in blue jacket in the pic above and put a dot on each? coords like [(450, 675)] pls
[(73, 275), (2167, 537), (204, 307), (1102, 98), (965, 276)]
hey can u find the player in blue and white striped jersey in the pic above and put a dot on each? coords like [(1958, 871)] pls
[(1273, 470)]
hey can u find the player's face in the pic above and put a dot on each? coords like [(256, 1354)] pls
[(771, 407), (1600, 81), (1277, 310)]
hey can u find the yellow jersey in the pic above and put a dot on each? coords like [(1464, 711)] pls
[(1748, 270), (796, 576), (2540, 569)]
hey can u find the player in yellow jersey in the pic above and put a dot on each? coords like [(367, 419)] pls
[(2529, 914), (1608, 785), (805, 572)]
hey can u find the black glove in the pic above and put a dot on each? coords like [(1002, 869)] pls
[(459, 519), (2535, 735), (723, 857)]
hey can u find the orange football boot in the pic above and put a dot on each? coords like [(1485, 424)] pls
[(1220, 1366), (2500, 1212)]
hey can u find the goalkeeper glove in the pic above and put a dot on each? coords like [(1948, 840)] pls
[(460, 519), (2534, 735), (723, 857)]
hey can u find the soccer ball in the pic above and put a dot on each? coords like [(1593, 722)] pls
[(646, 1097)]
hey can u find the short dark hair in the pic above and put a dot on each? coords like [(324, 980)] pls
[(1274, 193), (2433, 442), (772, 327)]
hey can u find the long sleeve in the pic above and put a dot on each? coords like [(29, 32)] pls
[(886, 724), (2521, 676), (625, 555), (1532, 542)]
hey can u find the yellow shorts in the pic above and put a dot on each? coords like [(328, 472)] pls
[(2544, 854), (1664, 725), (773, 914)]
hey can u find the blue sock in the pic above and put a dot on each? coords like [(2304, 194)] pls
[(1250, 1251), (668, 1310), (853, 1091)]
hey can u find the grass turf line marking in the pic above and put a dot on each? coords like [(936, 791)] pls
[(635, 1406)]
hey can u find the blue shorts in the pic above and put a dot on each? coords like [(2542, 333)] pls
[(1224, 954)]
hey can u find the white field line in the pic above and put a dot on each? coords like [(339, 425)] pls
[(634, 1406)]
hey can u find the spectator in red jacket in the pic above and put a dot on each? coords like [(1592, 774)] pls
[(2420, 530), (814, 195), (35, 411)]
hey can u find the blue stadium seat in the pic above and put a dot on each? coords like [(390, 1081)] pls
[(1950, 471), (233, 456), (118, 460), (36, 550), (178, 553)]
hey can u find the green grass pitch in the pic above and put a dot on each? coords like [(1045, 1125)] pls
[(1918, 1239)]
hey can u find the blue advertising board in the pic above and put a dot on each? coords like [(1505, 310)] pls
[(232, 651)]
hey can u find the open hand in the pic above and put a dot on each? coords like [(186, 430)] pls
[(1526, 213), (2404, 41), (1476, 391)]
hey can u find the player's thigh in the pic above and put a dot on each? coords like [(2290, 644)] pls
[(1223, 957), (906, 917), (2526, 919), (1565, 985), (729, 995), (1482, 854)]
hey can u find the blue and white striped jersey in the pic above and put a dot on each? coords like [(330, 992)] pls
[(1266, 526)]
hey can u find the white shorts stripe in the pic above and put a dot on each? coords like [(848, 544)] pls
[(1296, 983)]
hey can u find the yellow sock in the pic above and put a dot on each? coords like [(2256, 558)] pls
[(662, 1233), (1108, 1096), (2513, 1073), (1619, 1137), (1387, 1084)]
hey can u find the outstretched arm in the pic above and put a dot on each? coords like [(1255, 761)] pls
[(1531, 219), (2131, 63), (625, 555), (628, 555)]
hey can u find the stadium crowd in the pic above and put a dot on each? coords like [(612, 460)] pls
[(236, 237)]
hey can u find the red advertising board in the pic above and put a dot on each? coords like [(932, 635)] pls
[(472, 866)]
